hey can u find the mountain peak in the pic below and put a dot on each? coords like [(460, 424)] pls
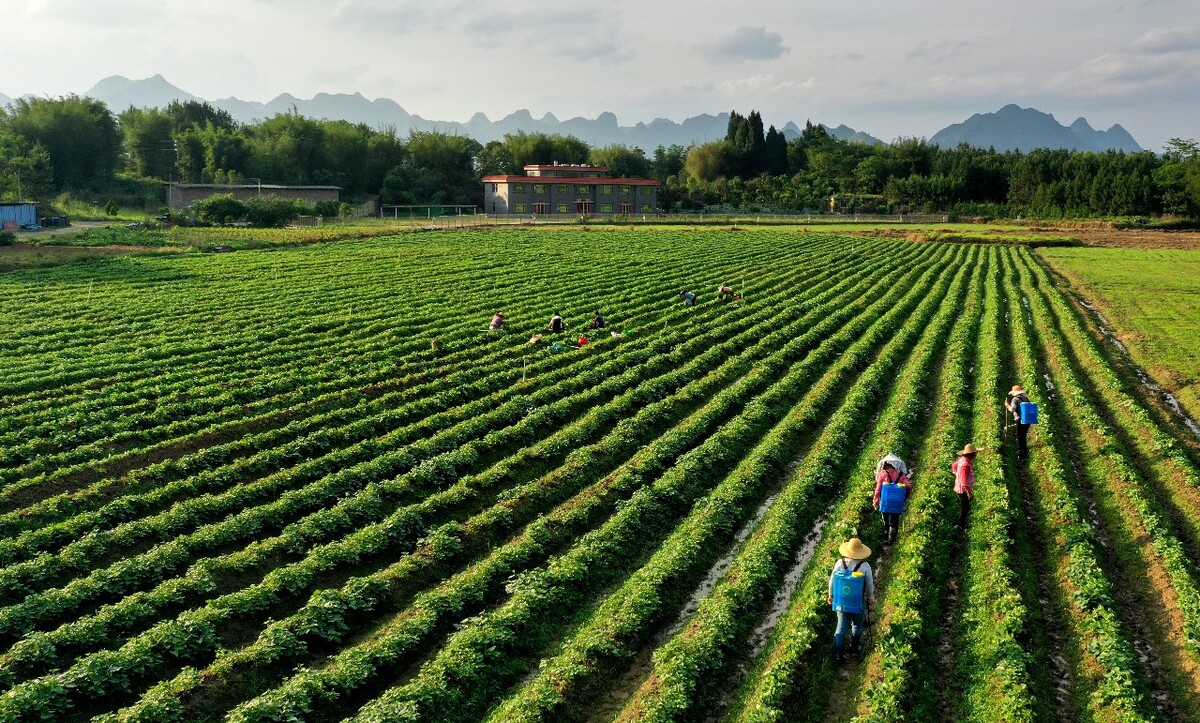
[(1024, 129)]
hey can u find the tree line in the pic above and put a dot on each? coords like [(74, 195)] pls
[(74, 144)]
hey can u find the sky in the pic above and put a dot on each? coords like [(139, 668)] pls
[(887, 67)]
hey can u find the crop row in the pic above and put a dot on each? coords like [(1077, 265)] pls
[(322, 615), (506, 632), (773, 683)]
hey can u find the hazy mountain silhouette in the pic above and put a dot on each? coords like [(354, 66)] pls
[(1011, 127), (120, 93), (1023, 129)]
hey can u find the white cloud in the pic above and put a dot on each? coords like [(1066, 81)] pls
[(746, 43), (1168, 40), (764, 84)]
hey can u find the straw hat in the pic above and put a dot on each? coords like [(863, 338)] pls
[(969, 449), (854, 549), (1017, 389)]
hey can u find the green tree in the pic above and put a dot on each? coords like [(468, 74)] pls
[(195, 113), (439, 168), (668, 161), (148, 142), (25, 170), (80, 135), (706, 163), (775, 153), (621, 161), (540, 148)]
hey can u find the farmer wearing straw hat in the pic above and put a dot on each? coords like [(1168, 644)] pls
[(964, 481), (497, 321), (851, 591), (1016, 398), (891, 474)]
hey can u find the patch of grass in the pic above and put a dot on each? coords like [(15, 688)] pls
[(1152, 299)]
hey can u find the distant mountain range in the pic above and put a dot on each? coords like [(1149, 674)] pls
[(1023, 129), (1010, 128)]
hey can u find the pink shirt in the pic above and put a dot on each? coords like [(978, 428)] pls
[(892, 475), (964, 475)]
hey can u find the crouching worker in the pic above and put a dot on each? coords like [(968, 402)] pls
[(497, 322), (892, 489), (851, 590), (689, 299), (723, 291)]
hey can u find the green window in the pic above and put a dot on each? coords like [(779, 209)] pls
[(647, 208), (563, 189), (606, 190), (606, 208), (539, 188), (583, 190), (519, 208), (626, 190), (562, 208), (518, 188)]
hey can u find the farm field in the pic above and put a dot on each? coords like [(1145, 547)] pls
[(306, 484), (1151, 297)]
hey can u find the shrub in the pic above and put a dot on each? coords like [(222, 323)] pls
[(7, 238), (272, 211), (219, 208)]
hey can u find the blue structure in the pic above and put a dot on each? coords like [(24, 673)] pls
[(848, 591), (891, 498), (1029, 413), (17, 215)]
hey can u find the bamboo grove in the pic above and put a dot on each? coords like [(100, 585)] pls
[(307, 484)]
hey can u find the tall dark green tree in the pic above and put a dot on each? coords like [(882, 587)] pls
[(148, 140), (80, 135), (775, 153)]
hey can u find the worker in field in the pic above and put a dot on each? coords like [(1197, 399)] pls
[(851, 592), (689, 299), (893, 487), (724, 291), (497, 321), (1021, 416), (964, 481), (597, 320), (557, 325)]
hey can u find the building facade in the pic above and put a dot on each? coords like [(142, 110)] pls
[(181, 195), (14, 216), (568, 189)]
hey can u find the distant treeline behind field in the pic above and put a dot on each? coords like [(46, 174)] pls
[(78, 146)]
